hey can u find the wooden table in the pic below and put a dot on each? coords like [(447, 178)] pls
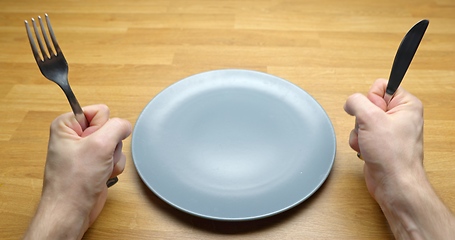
[(124, 52)]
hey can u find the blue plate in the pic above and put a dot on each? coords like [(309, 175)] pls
[(233, 145)]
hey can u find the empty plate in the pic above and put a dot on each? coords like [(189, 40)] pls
[(233, 145)]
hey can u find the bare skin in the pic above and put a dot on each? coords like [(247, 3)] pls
[(390, 139), (78, 165)]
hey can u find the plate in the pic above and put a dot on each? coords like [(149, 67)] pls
[(233, 145)]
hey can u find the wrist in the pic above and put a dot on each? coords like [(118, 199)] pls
[(397, 201), (413, 209), (57, 218)]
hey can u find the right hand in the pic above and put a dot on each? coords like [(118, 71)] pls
[(389, 138)]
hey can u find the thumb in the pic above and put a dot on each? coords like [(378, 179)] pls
[(113, 131), (97, 115), (358, 105)]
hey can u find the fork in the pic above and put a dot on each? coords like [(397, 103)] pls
[(54, 67)]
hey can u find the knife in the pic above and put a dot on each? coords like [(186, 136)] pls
[(403, 57)]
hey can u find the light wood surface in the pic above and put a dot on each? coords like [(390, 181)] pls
[(122, 53)]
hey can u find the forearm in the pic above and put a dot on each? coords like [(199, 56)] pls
[(55, 219), (416, 212)]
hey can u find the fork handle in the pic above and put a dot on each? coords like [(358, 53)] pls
[(77, 110), (81, 119), (76, 107)]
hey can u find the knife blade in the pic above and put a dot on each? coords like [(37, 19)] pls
[(404, 56), (403, 59)]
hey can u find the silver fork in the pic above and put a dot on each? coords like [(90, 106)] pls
[(54, 67)]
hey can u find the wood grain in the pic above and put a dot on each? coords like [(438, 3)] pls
[(124, 52)]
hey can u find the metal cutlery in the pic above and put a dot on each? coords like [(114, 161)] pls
[(404, 56), (54, 67), (403, 59)]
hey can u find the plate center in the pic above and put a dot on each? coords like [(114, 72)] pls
[(239, 139)]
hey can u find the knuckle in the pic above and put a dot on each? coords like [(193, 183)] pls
[(99, 143)]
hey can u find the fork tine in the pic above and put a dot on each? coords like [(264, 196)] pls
[(51, 32), (38, 39), (32, 43), (46, 39)]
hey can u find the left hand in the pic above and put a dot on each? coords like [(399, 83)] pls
[(78, 164)]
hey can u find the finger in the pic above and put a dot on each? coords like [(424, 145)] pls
[(354, 141), (377, 92), (357, 104), (66, 123), (379, 87), (118, 152), (375, 96), (97, 116), (366, 113), (113, 132), (119, 167), (403, 97), (356, 127), (119, 160)]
